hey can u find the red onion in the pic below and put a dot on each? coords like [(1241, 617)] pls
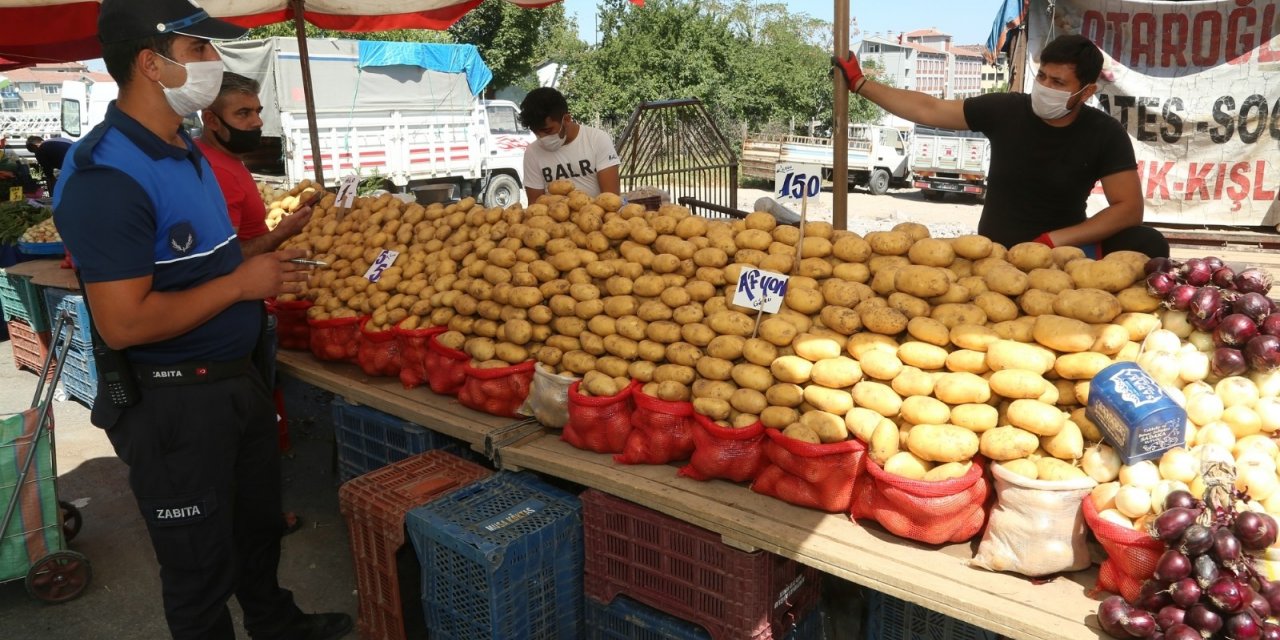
[(1252, 304), (1226, 547), (1153, 596), (1252, 530), (1160, 284), (1227, 362), (1243, 626), (1203, 619), (1214, 263), (1172, 566), (1197, 539), (1196, 272), (1185, 592), (1208, 324), (1113, 614), (1181, 500), (1235, 331), (1225, 594), (1253, 280), (1180, 297), (1258, 604), (1141, 624), (1271, 325), (1270, 631), (1160, 264), (1172, 523), (1223, 277), (1272, 593), (1169, 616), (1263, 353), (1204, 302), (1206, 570), (1182, 632)]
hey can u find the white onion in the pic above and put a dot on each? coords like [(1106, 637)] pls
[(1115, 517), (1243, 420), (1179, 464), (1104, 496), (1204, 408), (1196, 388), (1268, 382), (1176, 321), (1101, 462), (1143, 474), (1256, 444), (1237, 390), (1212, 452), (1163, 366), (1259, 483), (1161, 340), (1162, 491), (1176, 395), (1193, 365), (1189, 430), (1202, 340), (1269, 413), (1197, 487), (1133, 501), (1272, 503), (1219, 433)]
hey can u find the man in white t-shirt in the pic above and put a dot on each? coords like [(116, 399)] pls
[(565, 150)]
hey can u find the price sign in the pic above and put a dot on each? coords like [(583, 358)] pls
[(15, 194), (347, 191), (795, 181), (760, 290), (385, 260)]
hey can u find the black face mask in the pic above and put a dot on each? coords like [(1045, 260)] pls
[(238, 140)]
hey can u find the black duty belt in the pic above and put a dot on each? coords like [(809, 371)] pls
[(184, 373)]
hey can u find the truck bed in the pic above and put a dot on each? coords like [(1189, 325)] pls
[(761, 153)]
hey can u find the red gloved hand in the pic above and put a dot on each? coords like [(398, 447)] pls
[(851, 69), (1044, 240)]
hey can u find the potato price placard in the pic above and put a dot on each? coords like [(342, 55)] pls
[(385, 260), (760, 290)]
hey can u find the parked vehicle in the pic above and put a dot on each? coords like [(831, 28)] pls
[(945, 161), (84, 105), (877, 156)]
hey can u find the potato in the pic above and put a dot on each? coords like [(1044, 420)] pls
[(907, 465), (876, 396), (885, 442), (792, 369), (1107, 275), (909, 305), (1017, 384), (712, 389), (1090, 305), (975, 417), (889, 243), (678, 373), (837, 401), (967, 361), (922, 355), (925, 410), (913, 382), (1137, 299), (972, 247), (801, 433), (731, 323), (829, 427), (1109, 338), (578, 362), (835, 373), (1138, 324), (921, 281), (1068, 444), (785, 394), (1036, 417), (884, 321), (599, 385), (1027, 256), (929, 330), (998, 307), (775, 417), (942, 443), (1055, 470), (860, 343), (752, 376), (1006, 280), (714, 368), (748, 401), (862, 422), (1007, 443), (1008, 354), (1081, 366), (948, 471), (881, 364), (841, 320), (931, 252), (805, 300), (952, 315), (1063, 334), (1088, 430), (673, 391), (961, 388), (777, 331), (1023, 467)]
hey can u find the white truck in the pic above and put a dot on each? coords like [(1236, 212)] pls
[(877, 156), (408, 113), (84, 105), (945, 161)]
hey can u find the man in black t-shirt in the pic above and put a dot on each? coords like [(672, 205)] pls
[(1048, 149), (49, 155)]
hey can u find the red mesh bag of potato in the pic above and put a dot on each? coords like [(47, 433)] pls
[(335, 339), (413, 354), (292, 330), (1131, 555), (601, 425), (818, 476), (378, 353), (498, 392), (930, 512), (725, 452), (446, 367), (661, 432)]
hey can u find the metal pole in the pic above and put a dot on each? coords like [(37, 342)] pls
[(840, 124), (300, 28)]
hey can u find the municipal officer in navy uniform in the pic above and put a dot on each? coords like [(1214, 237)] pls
[(178, 311)]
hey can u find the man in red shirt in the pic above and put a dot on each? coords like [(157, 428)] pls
[(233, 125)]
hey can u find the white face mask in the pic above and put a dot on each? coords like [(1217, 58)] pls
[(204, 79), (554, 142), (1050, 103)]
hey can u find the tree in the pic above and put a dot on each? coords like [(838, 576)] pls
[(507, 36), (286, 30)]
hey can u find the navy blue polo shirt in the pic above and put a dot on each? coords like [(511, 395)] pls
[(130, 205)]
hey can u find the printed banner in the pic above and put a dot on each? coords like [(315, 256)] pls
[(1197, 85)]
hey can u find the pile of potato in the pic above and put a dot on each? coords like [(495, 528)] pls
[(929, 350), (282, 202)]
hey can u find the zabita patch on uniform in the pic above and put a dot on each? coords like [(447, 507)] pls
[(182, 238), (177, 511)]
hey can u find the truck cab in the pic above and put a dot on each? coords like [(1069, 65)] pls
[(84, 105), (506, 143)]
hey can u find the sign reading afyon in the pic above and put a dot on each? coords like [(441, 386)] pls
[(760, 290)]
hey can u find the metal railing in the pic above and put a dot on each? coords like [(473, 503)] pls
[(674, 145)]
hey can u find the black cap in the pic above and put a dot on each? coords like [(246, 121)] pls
[(124, 20)]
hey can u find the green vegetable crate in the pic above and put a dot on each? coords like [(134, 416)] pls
[(21, 300)]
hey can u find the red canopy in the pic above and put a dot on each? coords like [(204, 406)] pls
[(67, 30)]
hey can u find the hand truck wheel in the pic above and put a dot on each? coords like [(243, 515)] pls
[(71, 521), (59, 577)]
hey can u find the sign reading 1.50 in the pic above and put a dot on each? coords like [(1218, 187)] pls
[(796, 181)]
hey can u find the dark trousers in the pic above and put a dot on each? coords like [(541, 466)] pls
[(1142, 239), (205, 470)]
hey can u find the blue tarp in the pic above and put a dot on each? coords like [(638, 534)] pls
[(444, 58), (1011, 15)]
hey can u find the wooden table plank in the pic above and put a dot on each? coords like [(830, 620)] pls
[(32, 268), (57, 278)]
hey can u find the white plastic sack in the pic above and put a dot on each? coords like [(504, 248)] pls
[(548, 400), (1036, 527)]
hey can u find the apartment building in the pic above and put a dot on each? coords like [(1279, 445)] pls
[(38, 89), (925, 60)]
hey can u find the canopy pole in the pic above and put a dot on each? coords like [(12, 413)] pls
[(840, 124), (300, 28)]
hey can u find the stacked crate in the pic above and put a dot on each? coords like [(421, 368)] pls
[(626, 619), (501, 560), (79, 373), (686, 571), (369, 439), (889, 618), (26, 320)]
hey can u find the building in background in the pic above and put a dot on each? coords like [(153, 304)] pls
[(38, 89), (925, 60), (995, 77)]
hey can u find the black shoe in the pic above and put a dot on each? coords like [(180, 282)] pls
[(319, 626)]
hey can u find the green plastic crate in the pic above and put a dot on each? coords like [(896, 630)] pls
[(21, 300)]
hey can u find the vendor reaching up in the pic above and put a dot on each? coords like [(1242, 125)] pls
[(565, 149)]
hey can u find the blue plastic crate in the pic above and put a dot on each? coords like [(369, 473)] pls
[(626, 619), (56, 300), (80, 375), (21, 300), (502, 560), (369, 439), (889, 618), (41, 248)]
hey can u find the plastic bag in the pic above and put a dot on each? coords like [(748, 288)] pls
[(1036, 527), (725, 452), (413, 354), (292, 330), (378, 352), (597, 424), (818, 476), (446, 367), (930, 512), (661, 432), (548, 400), (498, 392), (1131, 554), (336, 339)]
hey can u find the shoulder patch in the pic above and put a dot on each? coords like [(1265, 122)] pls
[(182, 238)]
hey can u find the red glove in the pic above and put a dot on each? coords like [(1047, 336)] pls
[(1044, 240), (851, 69), (1092, 250)]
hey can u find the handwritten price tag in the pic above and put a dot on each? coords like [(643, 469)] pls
[(384, 261), (760, 290), (347, 191), (795, 181), (15, 194)]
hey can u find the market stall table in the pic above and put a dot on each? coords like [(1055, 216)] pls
[(45, 273), (935, 577)]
